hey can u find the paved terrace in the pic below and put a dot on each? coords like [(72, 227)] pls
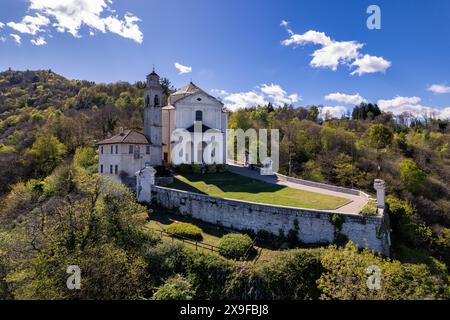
[(353, 207)]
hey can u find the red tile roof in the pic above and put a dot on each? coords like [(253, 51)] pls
[(127, 137)]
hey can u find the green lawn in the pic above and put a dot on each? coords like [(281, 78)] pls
[(234, 186)]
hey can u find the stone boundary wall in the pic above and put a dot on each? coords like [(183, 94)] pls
[(314, 225)]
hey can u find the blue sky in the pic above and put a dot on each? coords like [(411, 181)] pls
[(236, 48)]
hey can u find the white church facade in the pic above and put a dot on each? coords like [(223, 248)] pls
[(190, 110)]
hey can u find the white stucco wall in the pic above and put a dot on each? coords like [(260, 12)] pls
[(211, 108), (123, 159)]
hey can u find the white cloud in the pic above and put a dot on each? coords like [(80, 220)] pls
[(334, 53), (398, 102), (17, 38), (354, 99), (333, 112), (39, 41), (439, 88), (182, 69), (127, 29), (70, 15), (219, 92), (310, 36), (330, 56), (249, 99), (370, 64), (30, 24), (1, 25), (277, 95), (411, 105), (2, 39), (262, 95)]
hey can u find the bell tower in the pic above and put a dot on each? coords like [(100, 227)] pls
[(153, 99)]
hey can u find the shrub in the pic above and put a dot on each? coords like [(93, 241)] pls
[(175, 288), (222, 168), (212, 168), (185, 230), (208, 273), (337, 220), (291, 275), (370, 209), (196, 168), (412, 175), (235, 246), (183, 168)]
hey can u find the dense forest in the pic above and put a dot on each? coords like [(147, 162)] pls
[(57, 211)]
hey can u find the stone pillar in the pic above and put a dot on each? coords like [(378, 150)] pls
[(145, 179), (380, 186)]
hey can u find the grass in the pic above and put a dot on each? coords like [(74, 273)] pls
[(234, 186)]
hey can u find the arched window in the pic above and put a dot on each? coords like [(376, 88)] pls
[(156, 101), (147, 101), (198, 115)]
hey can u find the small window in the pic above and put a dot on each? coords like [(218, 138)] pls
[(117, 149), (156, 101), (112, 149), (130, 149), (101, 149), (116, 169), (101, 168), (111, 169), (199, 99), (198, 115), (147, 150), (137, 152)]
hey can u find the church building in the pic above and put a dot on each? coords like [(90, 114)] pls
[(189, 110)]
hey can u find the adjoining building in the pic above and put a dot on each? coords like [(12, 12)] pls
[(123, 154)]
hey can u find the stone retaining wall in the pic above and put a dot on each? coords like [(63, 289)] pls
[(314, 225)]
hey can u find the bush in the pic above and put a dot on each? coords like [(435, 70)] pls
[(212, 168), (235, 246), (291, 275), (176, 288), (196, 168), (370, 209), (183, 168), (222, 168), (185, 230)]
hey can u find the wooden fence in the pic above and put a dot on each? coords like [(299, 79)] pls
[(209, 247)]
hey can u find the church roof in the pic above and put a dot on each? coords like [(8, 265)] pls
[(187, 90), (126, 137)]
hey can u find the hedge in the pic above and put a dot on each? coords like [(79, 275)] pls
[(185, 230), (235, 246)]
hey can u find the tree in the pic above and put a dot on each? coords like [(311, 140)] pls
[(412, 175), (379, 136), (46, 153), (175, 288), (313, 113)]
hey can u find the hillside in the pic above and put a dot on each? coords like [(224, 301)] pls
[(53, 210), (41, 104)]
